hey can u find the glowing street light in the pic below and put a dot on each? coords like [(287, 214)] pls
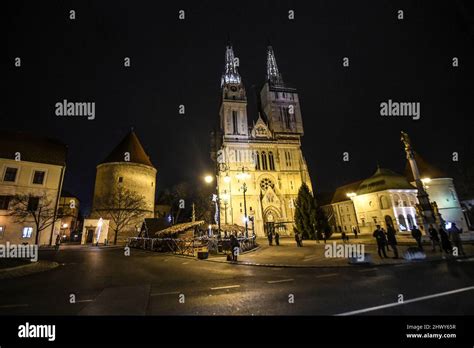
[(208, 179), (351, 194)]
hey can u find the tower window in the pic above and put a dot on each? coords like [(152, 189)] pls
[(120, 179), (264, 161), (271, 160), (257, 160), (234, 122)]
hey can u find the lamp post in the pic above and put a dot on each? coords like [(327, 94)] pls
[(243, 176)]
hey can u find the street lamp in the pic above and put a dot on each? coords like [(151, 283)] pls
[(225, 198), (209, 179), (243, 176)]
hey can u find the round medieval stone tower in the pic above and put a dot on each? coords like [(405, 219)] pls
[(127, 173)]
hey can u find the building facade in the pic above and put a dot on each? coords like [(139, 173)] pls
[(259, 168), (68, 212), (32, 167), (128, 167)]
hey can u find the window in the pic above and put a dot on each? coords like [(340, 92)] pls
[(10, 174), (38, 177), (234, 122), (266, 183), (402, 222), (264, 161), (271, 161), (27, 231), (257, 161), (5, 202), (33, 203), (384, 204), (120, 178)]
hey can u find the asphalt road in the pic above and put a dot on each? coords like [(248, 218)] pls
[(105, 282)]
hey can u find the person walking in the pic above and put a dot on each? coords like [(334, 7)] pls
[(297, 239), (416, 234), (58, 242), (392, 240), (445, 243), (270, 238), (381, 241), (434, 238), (234, 247), (354, 230), (343, 237), (277, 238), (455, 234)]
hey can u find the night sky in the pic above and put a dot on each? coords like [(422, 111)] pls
[(177, 62)]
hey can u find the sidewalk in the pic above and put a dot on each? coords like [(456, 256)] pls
[(27, 269), (287, 254)]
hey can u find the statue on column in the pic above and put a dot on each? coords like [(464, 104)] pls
[(425, 211)]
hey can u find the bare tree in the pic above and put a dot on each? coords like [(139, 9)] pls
[(28, 207), (122, 207)]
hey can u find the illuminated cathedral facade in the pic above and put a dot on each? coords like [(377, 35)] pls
[(260, 167)]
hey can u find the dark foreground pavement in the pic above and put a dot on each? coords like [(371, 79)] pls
[(105, 282)]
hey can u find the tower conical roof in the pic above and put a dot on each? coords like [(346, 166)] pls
[(132, 145)]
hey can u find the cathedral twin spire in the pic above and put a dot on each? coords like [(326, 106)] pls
[(231, 75)]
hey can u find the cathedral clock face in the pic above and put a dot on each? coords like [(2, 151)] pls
[(233, 88)]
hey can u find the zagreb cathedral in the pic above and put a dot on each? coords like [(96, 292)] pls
[(261, 167)]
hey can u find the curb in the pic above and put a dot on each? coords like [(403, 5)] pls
[(272, 265), (34, 267)]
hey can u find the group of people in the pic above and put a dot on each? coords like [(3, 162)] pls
[(272, 235), (444, 240), (386, 239)]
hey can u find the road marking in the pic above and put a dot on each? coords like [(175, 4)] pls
[(327, 275), (279, 281), (14, 305), (401, 265), (84, 301), (185, 263), (417, 299), (166, 293), (309, 258), (226, 287), (369, 269)]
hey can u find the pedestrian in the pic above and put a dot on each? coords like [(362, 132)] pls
[(297, 239), (270, 238), (445, 243), (300, 239), (277, 238), (416, 234), (434, 238), (354, 230), (58, 242), (455, 234), (325, 236), (392, 240), (386, 245), (234, 247), (343, 237), (381, 241)]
